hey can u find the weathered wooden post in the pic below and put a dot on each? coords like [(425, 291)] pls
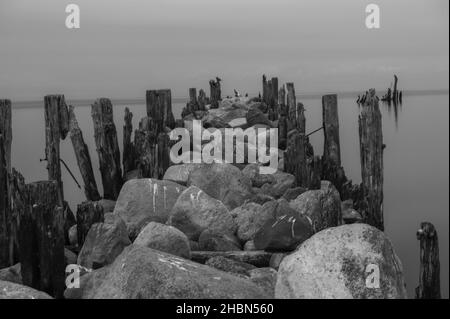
[(371, 153), (296, 118), (215, 93), (105, 135), (295, 157), (159, 108), (88, 213), (56, 128), (6, 240), (429, 278), (265, 90), (290, 96), (128, 160), (41, 239), (6, 129), (282, 118), (83, 157), (331, 160)]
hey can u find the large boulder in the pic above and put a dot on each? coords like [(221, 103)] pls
[(144, 200), (251, 217), (10, 290), (180, 173), (195, 211), (341, 263), (284, 231), (224, 182), (104, 242), (281, 183), (322, 206), (164, 238), (213, 240), (143, 273)]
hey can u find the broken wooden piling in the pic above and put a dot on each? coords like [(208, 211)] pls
[(6, 129), (83, 158), (295, 157), (56, 128), (371, 156), (159, 108), (429, 278), (105, 135), (41, 238)]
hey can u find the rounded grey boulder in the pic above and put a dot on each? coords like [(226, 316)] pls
[(164, 238), (345, 262)]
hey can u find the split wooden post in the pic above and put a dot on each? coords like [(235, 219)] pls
[(395, 93), (296, 118), (105, 135), (159, 108), (56, 128), (429, 278), (129, 160), (371, 153), (88, 213), (83, 157), (41, 239), (6, 240), (295, 157)]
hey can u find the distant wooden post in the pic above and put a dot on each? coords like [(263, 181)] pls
[(129, 160), (429, 279), (295, 157), (315, 173), (290, 97), (371, 153), (202, 100), (215, 93), (56, 128), (41, 239), (88, 213), (265, 90), (83, 157), (282, 118), (159, 108), (105, 135), (395, 93)]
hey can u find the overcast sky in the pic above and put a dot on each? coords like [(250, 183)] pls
[(126, 47)]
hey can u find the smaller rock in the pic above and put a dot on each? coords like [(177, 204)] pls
[(164, 238), (213, 240), (11, 274), (180, 173), (266, 278), (104, 242), (276, 260), (282, 182), (251, 217), (256, 116), (10, 290), (293, 193), (349, 215), (73, 236), (249, 246), (70, 257), (108, 205), (230, 265)]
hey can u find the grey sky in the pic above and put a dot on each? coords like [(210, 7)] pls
[(125, 47)]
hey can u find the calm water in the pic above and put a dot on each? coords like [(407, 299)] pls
[(415, 162)]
